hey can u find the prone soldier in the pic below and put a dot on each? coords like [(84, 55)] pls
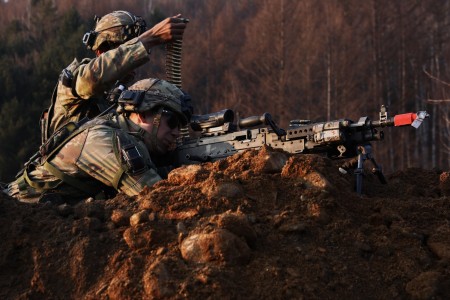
[(114, 152)]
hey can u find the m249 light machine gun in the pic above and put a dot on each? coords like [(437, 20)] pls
[(221, 137)]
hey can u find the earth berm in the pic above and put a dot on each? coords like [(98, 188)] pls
[(257, 225)]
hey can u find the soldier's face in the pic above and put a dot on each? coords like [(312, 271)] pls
[(168, 131)]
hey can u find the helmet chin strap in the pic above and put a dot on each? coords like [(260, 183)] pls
[(154, 133), (142, 134), (137, 131), (131, 127)]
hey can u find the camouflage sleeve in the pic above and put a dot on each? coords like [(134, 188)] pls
[(98, 159), (92, 77), (100, 73)]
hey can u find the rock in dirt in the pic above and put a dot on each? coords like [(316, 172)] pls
[(138, 237), (157, 281), (220, 245), (139, 218), (120, 217)]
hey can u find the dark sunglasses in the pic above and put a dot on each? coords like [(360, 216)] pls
[(172, 119)]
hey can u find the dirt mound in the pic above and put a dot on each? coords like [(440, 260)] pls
[(258, 225)]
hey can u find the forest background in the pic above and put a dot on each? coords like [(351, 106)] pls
[(296, 59)]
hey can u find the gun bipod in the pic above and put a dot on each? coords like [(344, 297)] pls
[(357, 164)]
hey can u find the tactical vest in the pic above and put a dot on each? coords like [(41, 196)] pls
[(124, 148), (90, 109)]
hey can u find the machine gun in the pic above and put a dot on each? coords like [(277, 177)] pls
[(221, 137)]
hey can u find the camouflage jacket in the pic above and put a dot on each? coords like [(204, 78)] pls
[(81, 89), (101, 155)]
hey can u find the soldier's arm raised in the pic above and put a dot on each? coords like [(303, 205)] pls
[(165, 31)]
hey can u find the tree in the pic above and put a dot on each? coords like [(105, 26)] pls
[(29, 71)]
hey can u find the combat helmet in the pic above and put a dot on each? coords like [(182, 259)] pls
[(159, 97), (114, 28), (153, 94)]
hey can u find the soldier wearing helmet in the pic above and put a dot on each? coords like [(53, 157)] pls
[(121, 43), (111, 153)]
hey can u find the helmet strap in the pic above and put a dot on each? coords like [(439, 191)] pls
[(140, 133), (154, 134), (131, 127)]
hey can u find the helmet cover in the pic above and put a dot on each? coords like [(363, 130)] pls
[(160, 93), (116, 27)]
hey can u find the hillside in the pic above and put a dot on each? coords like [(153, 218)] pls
[(258, 225)]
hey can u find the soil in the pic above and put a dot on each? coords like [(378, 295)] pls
[(257, 225)]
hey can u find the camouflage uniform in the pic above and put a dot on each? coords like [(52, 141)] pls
[(83, 84), (102, 155), (92, 77), (93, 157)]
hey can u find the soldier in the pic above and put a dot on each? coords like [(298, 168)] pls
[(121, 44), (114, 152)]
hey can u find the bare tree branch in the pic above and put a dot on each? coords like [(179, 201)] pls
[(435, 78), (436, 101)]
